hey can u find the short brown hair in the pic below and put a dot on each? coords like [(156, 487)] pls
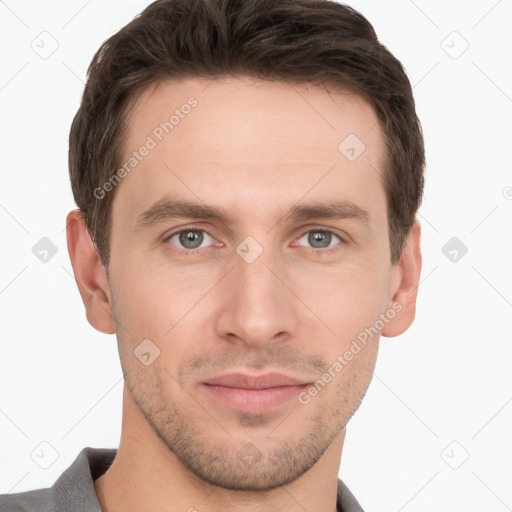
[(318, 42)]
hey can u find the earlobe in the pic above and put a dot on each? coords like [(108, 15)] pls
[(403, 301), (89, 273)]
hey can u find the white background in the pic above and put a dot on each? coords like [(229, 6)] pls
[(448, 379)]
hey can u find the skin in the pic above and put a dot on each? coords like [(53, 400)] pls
[(256, 149)]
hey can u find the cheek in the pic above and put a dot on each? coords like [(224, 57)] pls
[(346, 300), (164, 305), (142, 312), (153, 296)]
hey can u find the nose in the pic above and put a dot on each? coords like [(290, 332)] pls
[(257, 305)]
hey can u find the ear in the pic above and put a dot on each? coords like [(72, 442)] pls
[(406, 277), (90, 274)]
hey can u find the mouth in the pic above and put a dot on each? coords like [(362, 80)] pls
[(253, 394)]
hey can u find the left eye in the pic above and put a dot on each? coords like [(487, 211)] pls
[(319, 239)]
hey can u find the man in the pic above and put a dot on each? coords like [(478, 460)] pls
[(247, 176)]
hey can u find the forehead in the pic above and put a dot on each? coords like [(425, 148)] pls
[(236, 141)]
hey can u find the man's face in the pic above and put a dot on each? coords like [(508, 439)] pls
[(260, 291)]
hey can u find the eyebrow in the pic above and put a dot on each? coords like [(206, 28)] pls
[(169, 208)]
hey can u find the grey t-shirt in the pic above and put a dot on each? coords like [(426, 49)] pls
[(74, 490)]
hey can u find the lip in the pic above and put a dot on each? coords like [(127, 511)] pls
[(245, 381), (253, 394)]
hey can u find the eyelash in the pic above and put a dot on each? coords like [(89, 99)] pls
[(192, 252)]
